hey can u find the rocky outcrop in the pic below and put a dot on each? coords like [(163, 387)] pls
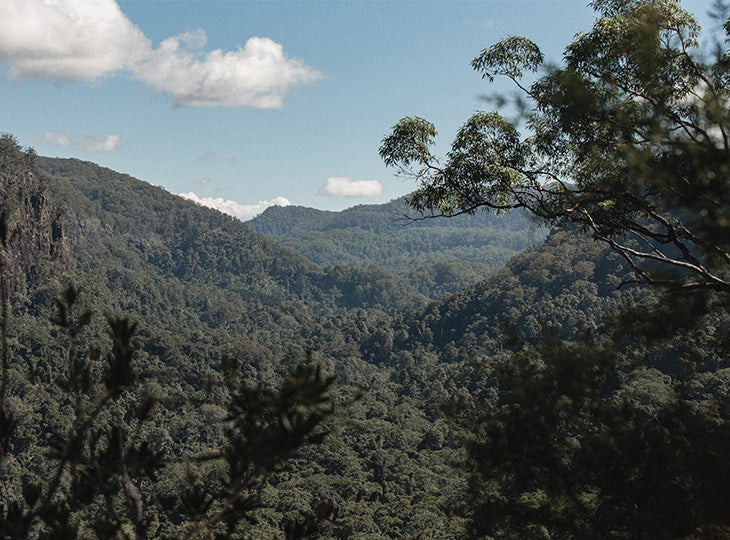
[(34, 238)]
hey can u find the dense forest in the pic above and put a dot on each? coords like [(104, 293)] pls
[(397, 358), (171, 372), (438, 257)]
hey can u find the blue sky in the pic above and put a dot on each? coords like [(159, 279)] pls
[(242, 104)]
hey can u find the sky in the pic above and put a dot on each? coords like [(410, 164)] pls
[(243, 104)]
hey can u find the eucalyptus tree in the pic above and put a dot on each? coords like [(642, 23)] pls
[(629, 138), (621, 433)]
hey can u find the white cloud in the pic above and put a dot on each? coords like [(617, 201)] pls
[(85, 142), (340, 186), (258, 74), (243, 212), (59, 139), (67, 40)]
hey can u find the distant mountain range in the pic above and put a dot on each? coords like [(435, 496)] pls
[(392, 235), (437, 255)]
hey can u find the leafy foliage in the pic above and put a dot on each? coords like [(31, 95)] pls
[(581, 442), (628, 139), (100, 466)]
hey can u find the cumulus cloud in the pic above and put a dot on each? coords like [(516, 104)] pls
[(243, 212), (258, 74), (68, 40), (340, 186), (85, 142)]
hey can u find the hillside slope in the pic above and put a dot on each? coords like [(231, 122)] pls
[(385, 235), (112, 216)]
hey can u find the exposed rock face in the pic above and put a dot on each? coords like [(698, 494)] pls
[(35, 236)]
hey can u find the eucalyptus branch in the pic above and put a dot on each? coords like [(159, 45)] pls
[(525, 90), (711, 280), (701, 73)]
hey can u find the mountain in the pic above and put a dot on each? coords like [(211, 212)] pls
[(385, 235), (567, 279), (203, 292), (176, 239), (213, 299)]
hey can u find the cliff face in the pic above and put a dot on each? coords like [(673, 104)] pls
[(35, 237)]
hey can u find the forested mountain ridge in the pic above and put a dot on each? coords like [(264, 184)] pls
[(288, 221), (565, 280), (391, 236), (263, 312), (179, 239)]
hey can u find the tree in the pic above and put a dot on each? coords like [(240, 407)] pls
[(579, 443), (621, 433), (629, 139)]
